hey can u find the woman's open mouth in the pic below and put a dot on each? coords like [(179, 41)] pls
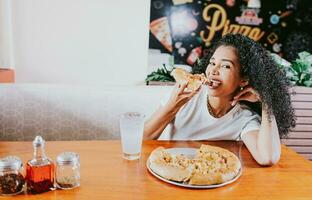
[(213, 83)]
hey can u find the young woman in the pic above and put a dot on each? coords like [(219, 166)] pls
[(246, 98)]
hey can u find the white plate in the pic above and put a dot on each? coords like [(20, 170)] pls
[(189, 152)]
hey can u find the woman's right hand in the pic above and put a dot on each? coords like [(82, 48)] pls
[(180, 96), (155, 125)]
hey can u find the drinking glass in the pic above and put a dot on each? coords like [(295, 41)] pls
[(131, 132)]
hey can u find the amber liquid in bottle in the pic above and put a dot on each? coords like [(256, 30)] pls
[(39, 170), (39, 178)]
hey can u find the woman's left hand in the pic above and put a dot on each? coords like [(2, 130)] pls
[(247, 94)]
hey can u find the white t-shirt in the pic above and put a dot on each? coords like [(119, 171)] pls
[(194, 122)]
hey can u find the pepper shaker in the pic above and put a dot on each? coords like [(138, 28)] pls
[(12, 180)]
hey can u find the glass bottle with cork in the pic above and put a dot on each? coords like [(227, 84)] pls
[(39, 170)]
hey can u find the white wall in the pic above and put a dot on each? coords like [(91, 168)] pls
[(6, 36), (81, 41)]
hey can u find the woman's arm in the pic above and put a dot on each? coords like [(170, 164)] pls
[(154, 126), (264, 145)]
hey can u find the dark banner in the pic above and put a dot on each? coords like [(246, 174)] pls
[(187, 28)]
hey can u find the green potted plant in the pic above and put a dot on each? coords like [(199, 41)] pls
[(299, 71), (161, 76)]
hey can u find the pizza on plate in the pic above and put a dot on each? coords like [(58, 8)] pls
[(210, 165), (194, 80)]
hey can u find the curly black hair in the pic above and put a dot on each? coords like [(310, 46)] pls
[(263, 74)]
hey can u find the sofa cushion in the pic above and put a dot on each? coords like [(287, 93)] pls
[(65, 112)]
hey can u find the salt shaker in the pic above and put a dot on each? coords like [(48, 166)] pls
[(67, 170)]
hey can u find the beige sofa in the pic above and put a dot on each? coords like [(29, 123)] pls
[(65, 112)]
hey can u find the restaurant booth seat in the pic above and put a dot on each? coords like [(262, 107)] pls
[(70, 112)]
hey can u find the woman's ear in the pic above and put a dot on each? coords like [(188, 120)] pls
[(244, 82)]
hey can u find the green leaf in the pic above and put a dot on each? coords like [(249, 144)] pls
[(308, 83), (295, 78), (297, 67), (305, 57)]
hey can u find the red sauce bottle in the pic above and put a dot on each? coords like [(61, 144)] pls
[(39, 170)]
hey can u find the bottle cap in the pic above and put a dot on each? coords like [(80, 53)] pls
[(68, 158), (38, 141), (10, 162)]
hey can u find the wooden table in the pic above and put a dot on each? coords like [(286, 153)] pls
[(105, 175)]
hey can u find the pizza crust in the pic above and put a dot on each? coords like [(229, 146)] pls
[(168, 166), (211, 165)]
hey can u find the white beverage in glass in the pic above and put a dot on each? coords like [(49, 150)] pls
[(131, 132)]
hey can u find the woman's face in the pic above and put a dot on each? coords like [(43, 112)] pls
[(223, 72)]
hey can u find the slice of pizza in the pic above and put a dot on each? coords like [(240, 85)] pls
[(214, 165), (194, 80), (171, 167), (161, 30)]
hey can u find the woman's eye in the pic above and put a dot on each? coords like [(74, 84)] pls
[(226, 66), (211, 63)]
